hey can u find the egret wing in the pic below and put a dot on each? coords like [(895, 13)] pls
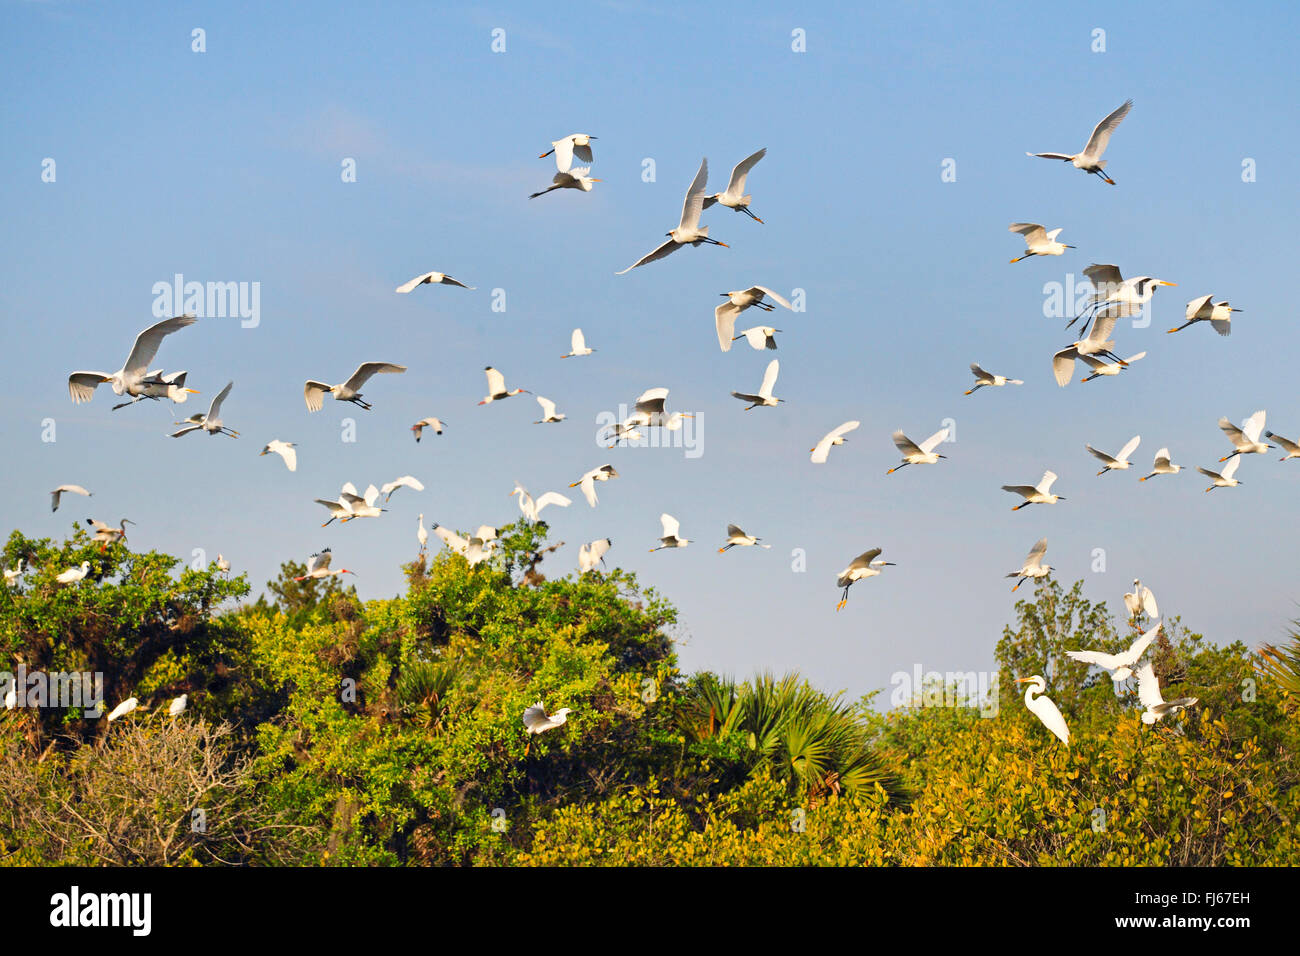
[(366, 369), (741, 172), (148, 341), (769, 378), (693, 205), (1101, 132)]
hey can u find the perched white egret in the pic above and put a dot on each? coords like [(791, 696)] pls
[(737, 538), (593, 553), (834, 437), (1218, 314), (865, 565), (734, 196), (1039, 494), (1163, 465), (1038, 240), (1222, 479), (133, 377), (1245, 440), (1141, 599), (158, 386), (73, 575), (577, 345), (122, 709), (432, 278), (430, 422), (178, 705), (575, 178), (671, 538), (1089, 159), (1120, 665), (480, 544), (724, 316), (564, 149), (11, 697), (1157, 708), (530, 508), (106, 534), (13, 574), (1291, 448), (318, 566), (285, 449), (1033, 566), (1097, 342), (688, 231), (549, 414), (538, 721), (764, 396), (1101, 367), (922, 454), (350, 391), (1116, 462), (497, 390), (58, 492), (1043, 708), (421, 533), (211, 422), (983, 378), (221, 563), (406, 481), (588, 481)]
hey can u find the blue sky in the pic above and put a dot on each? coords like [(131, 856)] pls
[(225, 166)]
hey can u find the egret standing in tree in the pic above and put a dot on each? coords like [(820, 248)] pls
[(1043, 708)]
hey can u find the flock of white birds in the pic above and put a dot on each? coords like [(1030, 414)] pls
[(1113, 298)]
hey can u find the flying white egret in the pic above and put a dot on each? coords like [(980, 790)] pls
[(538, 721), (106, 534), (406, 481), (1097, 342), (1141, 599), (342, 509), (1039, 494), (363, 506), (688, 231), (759, 337), (421, 533), (497, 390), (549, 415), (1089, 159), (73, 575), (451, 539), (480, 544), (737, 538), (724, 316), (133, 377), (1120, 665), (834, 437), (1114, 294), (178, 705), (211, 422), (670, 538), (430, 422), (158, 386), (623, 431), (1116, 462), (865, 565), (285, 449), (1100, 367), (13, 574), (649, 412), (733, 197), (1222, 479), (1038, 240), (922, 454), (983, 378), (764, 396), (593, 553), (350, 391), (1033, 566), (588, 481), (575, 178), (1162, 465), (1157, 708), (1218, 314), (318, 566), (530, 508), (58, 492), (577, 345), (565, 149), (431, 278), (338, 510), (1043, 708), (1291, 448), (1245, 440), (122, 709)]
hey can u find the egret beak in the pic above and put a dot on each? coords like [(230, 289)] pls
[(1163, 282), (724, 245), (195, 391), (598, 180), (1023, 680)]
